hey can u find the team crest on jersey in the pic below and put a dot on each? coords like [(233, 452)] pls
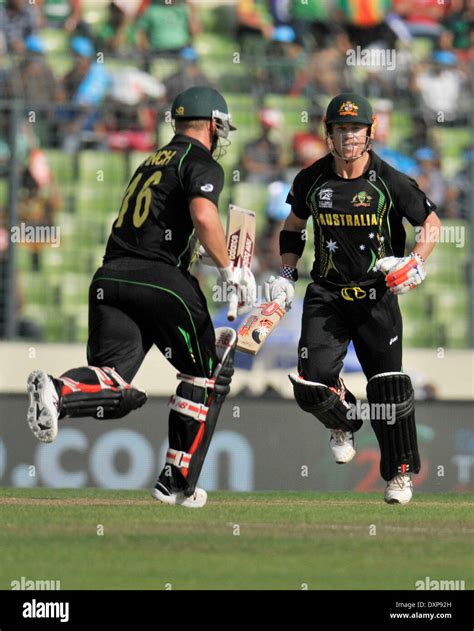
[(325, 198), (361, 199), (348, 108)]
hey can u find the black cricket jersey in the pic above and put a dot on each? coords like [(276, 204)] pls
[(154, 221), (356, 221)]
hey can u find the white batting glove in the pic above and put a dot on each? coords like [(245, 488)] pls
[(243, 280), (204, 257), (402, 274), (278, 287)]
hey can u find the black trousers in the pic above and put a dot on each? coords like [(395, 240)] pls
[(134, 304), (330, 321)]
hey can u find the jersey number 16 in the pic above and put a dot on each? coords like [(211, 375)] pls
[(143, 199)]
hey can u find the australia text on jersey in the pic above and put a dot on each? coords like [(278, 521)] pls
[(339, 219)]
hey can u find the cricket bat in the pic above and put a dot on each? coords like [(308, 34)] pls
[(240, 234), (258, 326)]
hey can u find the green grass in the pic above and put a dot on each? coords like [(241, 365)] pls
[(285, 540)]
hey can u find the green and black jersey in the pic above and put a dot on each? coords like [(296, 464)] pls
[(356, 221), (154, 221)]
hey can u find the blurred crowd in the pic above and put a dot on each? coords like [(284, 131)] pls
[(297, 47), (411, 56)]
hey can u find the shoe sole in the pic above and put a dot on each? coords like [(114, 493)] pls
[(158, 496), (397, 502), (347, 461), (350, 459), (40, 413)]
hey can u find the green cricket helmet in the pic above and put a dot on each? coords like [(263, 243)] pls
[(203, 103), (349, 107)]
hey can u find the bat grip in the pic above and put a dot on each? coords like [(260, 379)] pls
[(281, 299), (233, 305)]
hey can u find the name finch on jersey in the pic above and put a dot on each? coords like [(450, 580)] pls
[(157, 201)]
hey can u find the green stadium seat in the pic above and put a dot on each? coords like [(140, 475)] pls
[(102, 167), (292, 108), (418, 304), (417, 334), (243, 110), (161, 69), (214, 46), (452, 141), (38, 314), (252, 196), (74, 289), (53, 258), (82, 324), (421, 48), (401, 129), (97, 202), (34, 289), (61, 327), (23, 258), (55, 40), (94, 12), (62, 166), (457, 335), (451, 303), (450, 166), (3, 192), (136, 158)]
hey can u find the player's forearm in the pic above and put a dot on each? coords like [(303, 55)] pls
[(210, 233), (296, 225), (427, 236), (290, 259)]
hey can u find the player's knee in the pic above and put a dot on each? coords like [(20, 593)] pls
[(191, 392), (392, 388), (85, 374), (327, 405), (319, 374), (98, 392)]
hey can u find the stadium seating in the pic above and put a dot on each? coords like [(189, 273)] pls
[(92, 184)]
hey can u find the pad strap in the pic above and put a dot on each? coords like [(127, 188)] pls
[(111, 372), (178, 459), (197, 411), (200, 382)]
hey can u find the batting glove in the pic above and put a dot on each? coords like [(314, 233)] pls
[(402, 274), (280, 288), (242, 280)]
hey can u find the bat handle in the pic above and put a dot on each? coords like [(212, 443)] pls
[(233, 305), (281, 300)]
